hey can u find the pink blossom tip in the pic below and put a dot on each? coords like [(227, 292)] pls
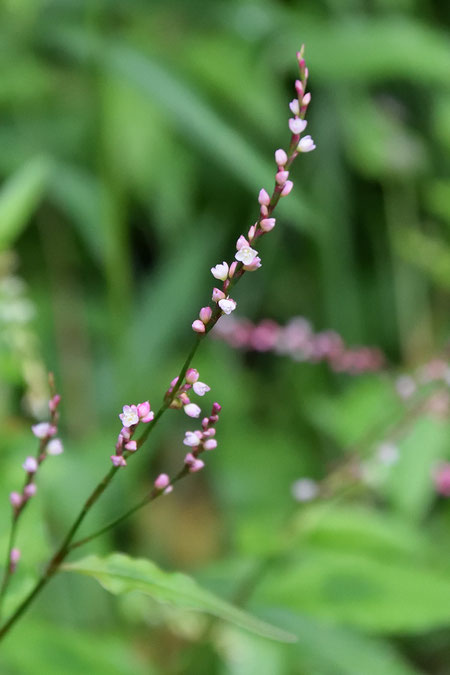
[(43, 430), (131, 446), (118, 460), (281, 177), (297, 125), (192, 410), (306, 144), (200, 388), (30, 465), (220, 271), (162, 481), (143, 409), (192, 375), (15, 499), (54, 447), (267, 224), (205, 314), (210, 444), (227, 305), (264, 198), (217, 294), (198, 326), (281, 157), (287, 188), (129, 416)]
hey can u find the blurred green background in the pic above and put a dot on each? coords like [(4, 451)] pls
[(134, 139)]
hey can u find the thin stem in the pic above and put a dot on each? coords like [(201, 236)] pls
[(8, 570)]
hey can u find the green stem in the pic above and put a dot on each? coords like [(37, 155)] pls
[(8, 571)]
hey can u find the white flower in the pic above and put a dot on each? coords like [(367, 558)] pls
[(220, 271), (246, 255), (306, 144), (129, 416), (30, 465), (55, 447), (295, 106), (191, 439), (192, 410), (227, 305), (296, 125), (304, 490), (200, 388)]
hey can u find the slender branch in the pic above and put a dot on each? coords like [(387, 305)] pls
[(8, 569)]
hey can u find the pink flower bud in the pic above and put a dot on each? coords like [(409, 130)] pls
[(210, 444), (287, 188), (216, 408), (232, 269), (54, 402), (205, 422), (254, 265), (131, 446), (29, 490), (306, 144), (54, 447), (184, 398), (281, 157), (143, 409), (209, 433), (193, 463), (14, 556), (30, 465), (198, 326), (192, 410), (192, 375), (264, 211), (213, 419), (306, 99), (118, 460), (263, 198), (15, 499), (125, 433), (162, 481), (220, 271), (191, 439), (281, 177), (148, 418), (43, 430), (205, 314), (267, 224), (299, 88), (217, 295), (251, 232), (296, 125), (295, 106), (241, 242), (201, 388)]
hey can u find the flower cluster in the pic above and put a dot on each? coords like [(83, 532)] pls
[(297, 340), (130, 417), (178, 397), (247, 258), (201, 440), (48, 445)]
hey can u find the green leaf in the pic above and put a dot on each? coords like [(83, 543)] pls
[(19, 197), (119, 574), (373, 595)]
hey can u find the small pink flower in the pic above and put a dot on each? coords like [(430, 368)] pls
[(15, 499), (208, 433), (118, 460), (281, 177), (43, 430), (129, 416), (205, 314), (193, 463), (254, 265), (125, 434), (267, 224), (216, 407), (192, 375), (246, 255), (191, 439), (30, 465), (263, 198), (218, 294), (14, 556), (295, 106), (162, 481), (198, 326), (296, 125), (306, 100), (287, 188), (306, 144), (227, 305), (220, 271), (131, 446), (192, 410), (29, 490), (299, 85), (54, 447), (264, 211), (281, 157), (251, 232), (148, 418), (143, 409), (210, 444), (200, 388), (232, 269), (54, 402)]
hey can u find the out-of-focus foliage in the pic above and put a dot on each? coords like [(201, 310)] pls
[(134, 139)]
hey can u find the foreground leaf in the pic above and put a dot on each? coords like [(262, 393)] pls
[(119, 574)]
